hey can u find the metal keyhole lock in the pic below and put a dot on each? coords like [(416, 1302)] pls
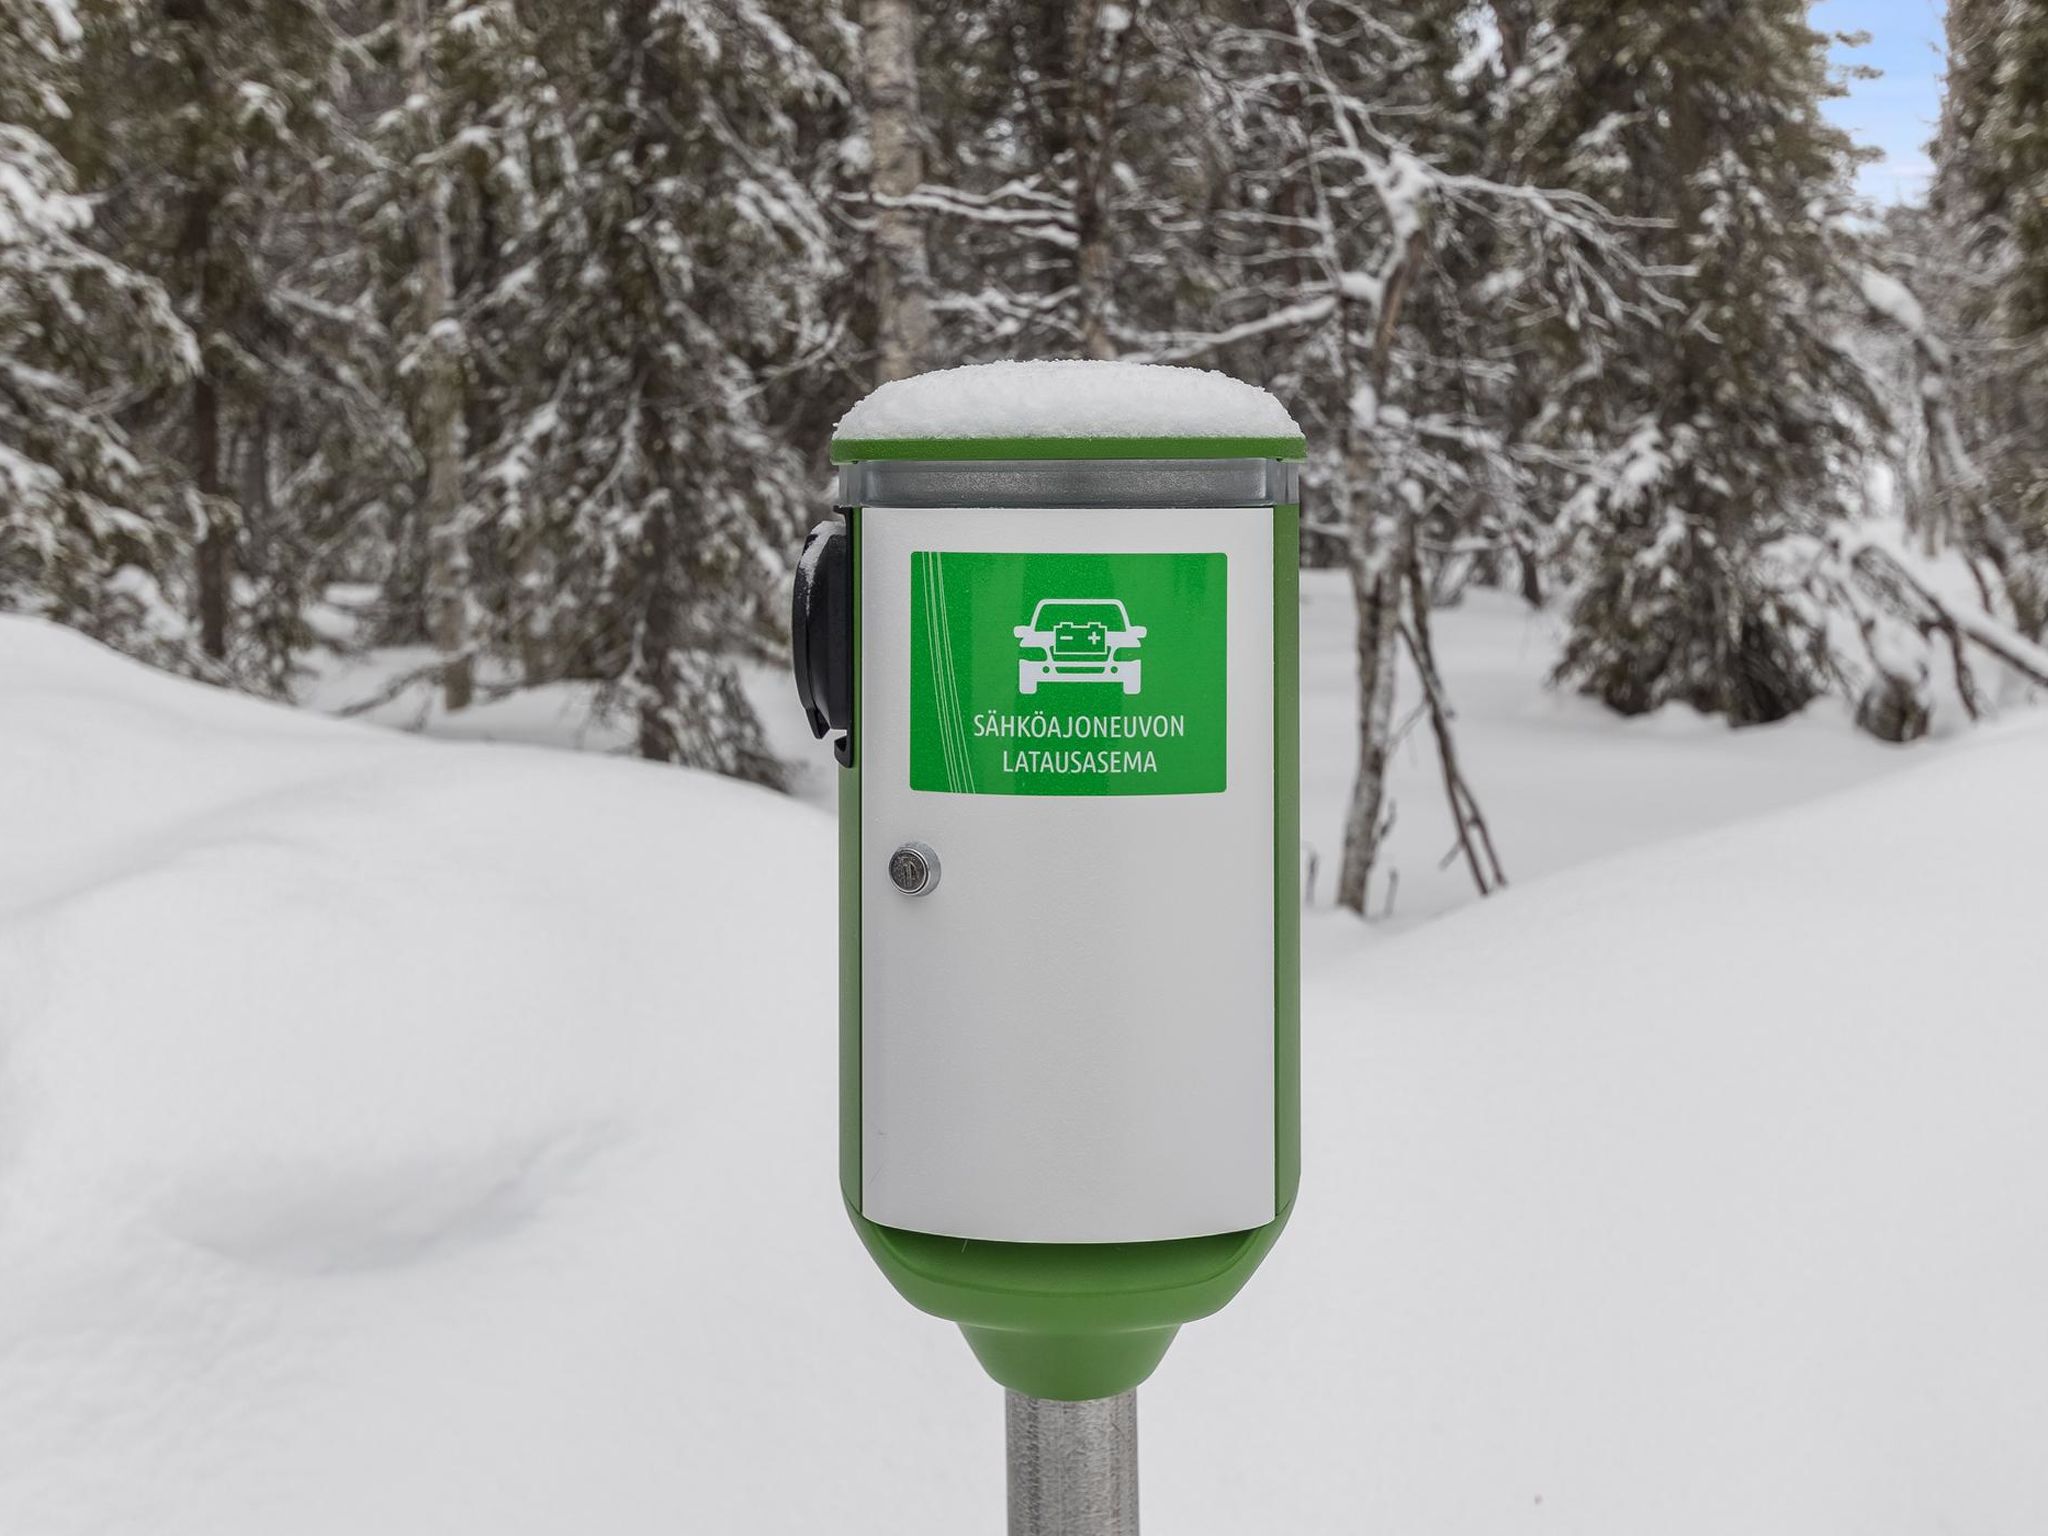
[(914, 869)]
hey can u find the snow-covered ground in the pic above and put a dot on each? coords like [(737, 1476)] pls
[(1560, 778), (405, 1136)]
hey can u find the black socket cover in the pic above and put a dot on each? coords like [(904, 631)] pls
[(821, 631)]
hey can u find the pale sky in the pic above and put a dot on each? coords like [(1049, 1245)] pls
[(1897, 113)]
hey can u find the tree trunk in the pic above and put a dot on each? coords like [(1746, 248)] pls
[(1376, 586), (1099, 53), (1531, 568), (1376, 579), (216, 573), (439, 428), (659, 705), (903, 323), (532, 577), (215, 565), (217, 545), (688, 704)]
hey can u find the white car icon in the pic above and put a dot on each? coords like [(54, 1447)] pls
[(1079, 640)]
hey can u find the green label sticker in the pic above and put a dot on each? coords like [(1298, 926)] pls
[(1050, 674)]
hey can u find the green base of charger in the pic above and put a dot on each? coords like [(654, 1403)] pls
[(1068, 1321)]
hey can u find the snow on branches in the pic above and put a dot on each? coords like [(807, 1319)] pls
[(86, 536)]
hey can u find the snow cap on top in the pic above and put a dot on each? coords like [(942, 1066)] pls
[(1071, 398)]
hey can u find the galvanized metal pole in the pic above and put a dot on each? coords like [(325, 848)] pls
[(1073, 1466)]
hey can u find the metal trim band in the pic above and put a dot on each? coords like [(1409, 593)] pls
[(1115, 483)]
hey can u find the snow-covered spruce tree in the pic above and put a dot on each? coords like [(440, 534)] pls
[(1987, 290), (216, 142), (1743, 408), (85, 536), (445, 213), (679, 259), (465, 154), (1999, 169)]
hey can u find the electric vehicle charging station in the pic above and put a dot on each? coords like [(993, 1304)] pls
[(1051, 628)]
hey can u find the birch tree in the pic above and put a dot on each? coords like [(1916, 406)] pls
[(903, 318), (433, 364), (1362, 179)]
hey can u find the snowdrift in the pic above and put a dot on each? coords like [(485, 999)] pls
[(420, 1138)]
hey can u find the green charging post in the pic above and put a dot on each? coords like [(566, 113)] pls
[(1051, 629)]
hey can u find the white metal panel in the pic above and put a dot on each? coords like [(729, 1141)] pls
[(1037, 1069)]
